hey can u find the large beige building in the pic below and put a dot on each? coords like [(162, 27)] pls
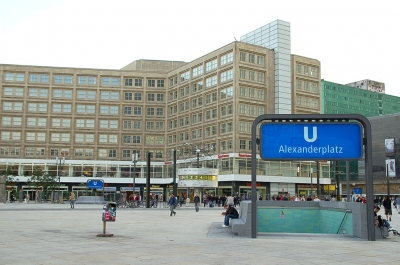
[(97, 118), (306, 85)]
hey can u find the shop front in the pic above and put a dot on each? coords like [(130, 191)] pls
[(199, 181)]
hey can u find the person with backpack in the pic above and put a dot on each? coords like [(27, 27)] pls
[(172, 203)]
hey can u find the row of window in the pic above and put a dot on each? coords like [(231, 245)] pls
[(80, 123), (252, 75), (252, 92), (307, 102), (251, 110), (81, 138), (307, 86), (306, 70), (80, 94), (82, 109), (150, 111), (79, 152), (82, 80), (199, 70), (252, 58)]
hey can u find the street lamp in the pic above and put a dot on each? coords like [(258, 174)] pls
[(134, 160), (198, 158), (175, 188), (60, 162)]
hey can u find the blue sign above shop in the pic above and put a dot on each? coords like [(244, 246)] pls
[(310, 141), (95, 184)]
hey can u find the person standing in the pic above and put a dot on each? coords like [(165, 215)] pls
[(196, 201), (398, 204), (387, 204), (172, 203), (72, 200)]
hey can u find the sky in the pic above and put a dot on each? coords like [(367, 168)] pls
[(353, 39)]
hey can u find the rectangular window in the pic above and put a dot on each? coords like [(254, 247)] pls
[(252, 75), (151, 83), (306, 70), (223, 59), (242, 74), (252, 110), (252, 92), (314, 71), (261, 94), (9, 77), (298, 84), (68, 79), (252, 58), (137, 125), (160, 83), (242, 56), (81, 80), (138, 82), (20, 77), (242, 144), (160, 97), (44, 78), (33, 78), (230, 57), (261, 110), (299, 69), (128, 81), (242, 109), (260, 77), (150, 97), (137, 111), (91, 80), (128, 95), (260, 60)]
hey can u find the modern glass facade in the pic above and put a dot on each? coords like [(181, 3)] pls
[(276, 36)]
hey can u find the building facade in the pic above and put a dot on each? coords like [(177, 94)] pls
[(344, 99), (97, 118)]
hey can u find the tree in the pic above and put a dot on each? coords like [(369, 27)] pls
[(40, 179), (10, 179)]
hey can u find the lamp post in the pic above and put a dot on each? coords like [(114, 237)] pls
[(175, 188), (60, 162), (134, 160), (148, 180), (198, 158)]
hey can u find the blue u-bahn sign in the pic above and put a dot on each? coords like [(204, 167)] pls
[(311, 141), (95, 184)]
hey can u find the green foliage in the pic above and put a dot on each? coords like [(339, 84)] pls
[(10, 178), (39, 179)]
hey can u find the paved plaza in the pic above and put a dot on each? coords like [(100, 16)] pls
[(55, 234)]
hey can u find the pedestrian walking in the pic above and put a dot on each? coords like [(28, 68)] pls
[(196, 200), (72, 200), (172, 204), (398, 204), (387, 204)]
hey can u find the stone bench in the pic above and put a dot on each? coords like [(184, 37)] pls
[(90, 200), (381, 232), (242, 225)]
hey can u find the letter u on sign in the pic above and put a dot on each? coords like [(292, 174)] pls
[(314, 134)]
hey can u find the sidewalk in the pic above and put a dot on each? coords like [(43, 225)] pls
[(55, 234)]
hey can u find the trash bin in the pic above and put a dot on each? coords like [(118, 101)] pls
[(109, 212)]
